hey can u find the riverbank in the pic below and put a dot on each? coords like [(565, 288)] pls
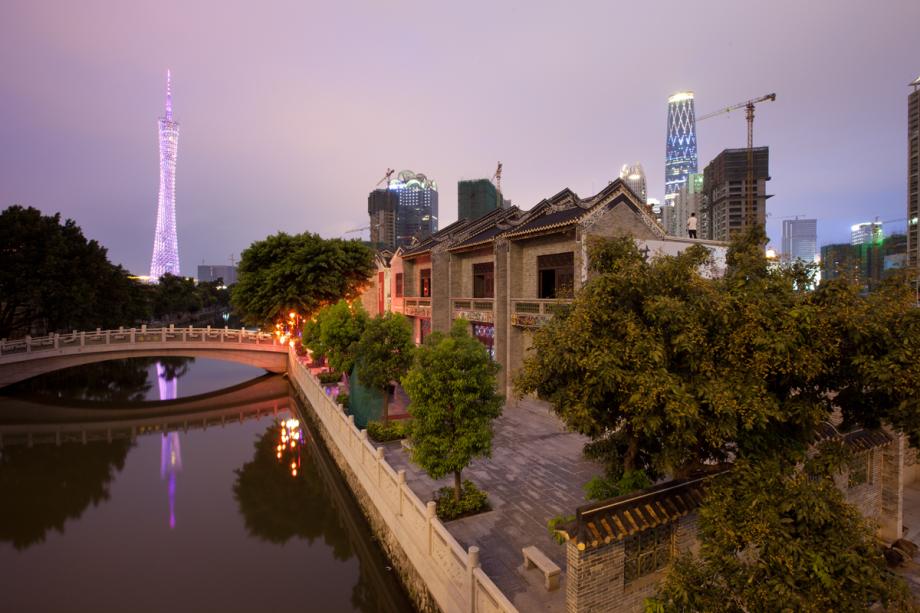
[(436, 571)]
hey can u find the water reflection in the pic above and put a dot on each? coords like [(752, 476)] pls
[(251, 520), (43, 487)]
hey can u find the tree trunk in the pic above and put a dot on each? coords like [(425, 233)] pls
[(632, 451), (386, 404), (457, 486)]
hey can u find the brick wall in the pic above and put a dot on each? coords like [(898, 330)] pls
[(594, 576)]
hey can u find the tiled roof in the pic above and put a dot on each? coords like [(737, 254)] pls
[(487, 227), (860, 439), (617, 518), (550, 220), (425, 245)]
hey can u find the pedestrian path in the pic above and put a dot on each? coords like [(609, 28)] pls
[(536, 472)]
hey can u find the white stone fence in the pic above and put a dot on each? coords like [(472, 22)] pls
[(452, 575), (132, 336)]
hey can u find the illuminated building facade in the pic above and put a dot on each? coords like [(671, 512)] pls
[(913, 175), (680, 152), (633, 175), (866, 233), (165, 243), (800, 240), (417, 208)]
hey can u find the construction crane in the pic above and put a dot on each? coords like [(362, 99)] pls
[(386, 178), (497, 177), (749, 114)]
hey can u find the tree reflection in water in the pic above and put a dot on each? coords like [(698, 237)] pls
[(44, 486), (278, 506), (111, 381), (301, 494)]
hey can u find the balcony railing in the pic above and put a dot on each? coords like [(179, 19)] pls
[(474, 309), (417, 307), (534, 313)]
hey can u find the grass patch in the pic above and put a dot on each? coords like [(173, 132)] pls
[(390, 431), (472, 501)]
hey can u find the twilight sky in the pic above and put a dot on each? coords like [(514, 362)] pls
[(290, 112)]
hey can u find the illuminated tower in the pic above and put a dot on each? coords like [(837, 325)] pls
[(417, 209), (680, 155), (165, 244)]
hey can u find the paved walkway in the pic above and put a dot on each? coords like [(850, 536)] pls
[(536, 473)]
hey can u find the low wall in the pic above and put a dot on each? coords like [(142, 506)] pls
[(437, 572)]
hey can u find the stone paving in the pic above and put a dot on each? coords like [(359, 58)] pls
[(536, 473)]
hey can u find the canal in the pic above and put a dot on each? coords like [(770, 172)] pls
[(176, 485)]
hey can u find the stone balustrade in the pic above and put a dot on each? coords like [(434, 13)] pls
[(452, 576)]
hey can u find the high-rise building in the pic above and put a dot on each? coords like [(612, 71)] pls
[(633, 175), (800, 240), (725, 193), (866, 233), (680, 153), (417, 209), (381, 207), (913, 175), (688, 200), (476, 198), (165, 243)]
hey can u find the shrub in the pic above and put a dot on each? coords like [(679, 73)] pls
[(328, 378), (342, 399), (472, 501), (390, 431)]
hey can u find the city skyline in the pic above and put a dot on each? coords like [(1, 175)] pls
[(280, 134)]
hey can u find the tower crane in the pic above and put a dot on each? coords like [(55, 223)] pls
[(497, 177), (386, 177), (749, 114)]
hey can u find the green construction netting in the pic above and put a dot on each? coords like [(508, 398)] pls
[(365, 403)]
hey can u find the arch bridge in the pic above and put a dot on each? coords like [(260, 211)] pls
[(28, 357)]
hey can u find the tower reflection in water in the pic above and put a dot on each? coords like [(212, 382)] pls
[(170, 449)]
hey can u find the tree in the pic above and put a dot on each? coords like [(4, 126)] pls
[(385, 351), (175, 295), (53, 279), (300, 272), (452, 388), (775, 538), (339, 330), (668, 370)]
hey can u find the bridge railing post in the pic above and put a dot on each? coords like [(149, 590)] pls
[(82, 339), (108, 337), (472, 563), (242, 332), (132, 335), (379, 464), (28, 344), (57, 340), (162, 334)]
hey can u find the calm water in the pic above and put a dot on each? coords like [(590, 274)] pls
[(189, 514)]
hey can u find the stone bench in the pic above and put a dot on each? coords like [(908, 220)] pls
[(535, 557)]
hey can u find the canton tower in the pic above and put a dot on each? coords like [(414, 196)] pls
[(165, 244)]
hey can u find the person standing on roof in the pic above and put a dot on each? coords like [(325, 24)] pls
[(691, 225)]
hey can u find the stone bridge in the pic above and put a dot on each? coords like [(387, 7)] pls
[(31, 421), (24, 358)]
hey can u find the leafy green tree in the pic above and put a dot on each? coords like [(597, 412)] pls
[(53, 279), (300, 272), (385, 354), (668, 370), (340, 327), (777, 538), (176, 296), (452, 388)]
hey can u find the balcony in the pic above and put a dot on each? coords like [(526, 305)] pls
[(417, 307), (474, 309), (534, 313)]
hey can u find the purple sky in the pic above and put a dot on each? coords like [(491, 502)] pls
[(291, 113)]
